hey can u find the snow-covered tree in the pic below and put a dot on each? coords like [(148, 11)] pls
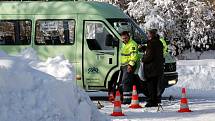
[(187, 21)]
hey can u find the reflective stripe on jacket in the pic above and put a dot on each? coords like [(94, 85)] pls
[(129, 53)]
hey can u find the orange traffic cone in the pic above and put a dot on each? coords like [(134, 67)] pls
[(184, 103), (117, 111), (135, 100)]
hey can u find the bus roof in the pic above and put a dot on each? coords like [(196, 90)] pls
[(60, 8)]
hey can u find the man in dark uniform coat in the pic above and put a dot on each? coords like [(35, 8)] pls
[(153, 67)]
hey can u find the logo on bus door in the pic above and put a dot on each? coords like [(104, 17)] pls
[(93, 70)]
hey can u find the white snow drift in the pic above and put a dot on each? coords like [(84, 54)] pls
[(27, 94)]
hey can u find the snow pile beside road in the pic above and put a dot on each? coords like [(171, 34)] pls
[(197, 76), (27, 94), (58, 66)]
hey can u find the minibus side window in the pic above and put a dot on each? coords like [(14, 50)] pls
[(96, 35), (55, 32), (127, 24), (15, 32)]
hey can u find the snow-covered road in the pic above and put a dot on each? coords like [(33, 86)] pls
[(202, 110), (197, 76)]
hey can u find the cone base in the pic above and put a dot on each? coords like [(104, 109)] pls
[(135, 106), (117, 114), (184, 110)]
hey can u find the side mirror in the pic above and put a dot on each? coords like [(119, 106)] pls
[(110, 41)]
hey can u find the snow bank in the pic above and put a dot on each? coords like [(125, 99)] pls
[(58, 66), (197, 76), (27, 94)]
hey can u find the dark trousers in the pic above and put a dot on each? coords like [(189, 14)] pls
[(160, 87), (126, 84), (152, 86)]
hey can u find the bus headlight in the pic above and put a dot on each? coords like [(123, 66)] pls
[(172, 82)]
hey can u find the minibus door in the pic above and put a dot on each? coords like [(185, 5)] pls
[(100, 56)]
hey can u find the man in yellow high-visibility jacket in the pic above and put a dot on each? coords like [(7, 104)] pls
[(128, 60)]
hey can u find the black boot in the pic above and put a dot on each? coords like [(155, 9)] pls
[(150, 104)]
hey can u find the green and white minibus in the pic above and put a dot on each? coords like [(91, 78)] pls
[(86, 33)]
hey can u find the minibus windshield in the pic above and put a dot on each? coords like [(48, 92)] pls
[(129, 25)]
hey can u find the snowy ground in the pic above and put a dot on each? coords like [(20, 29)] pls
[(203, 110), (32, 90)]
